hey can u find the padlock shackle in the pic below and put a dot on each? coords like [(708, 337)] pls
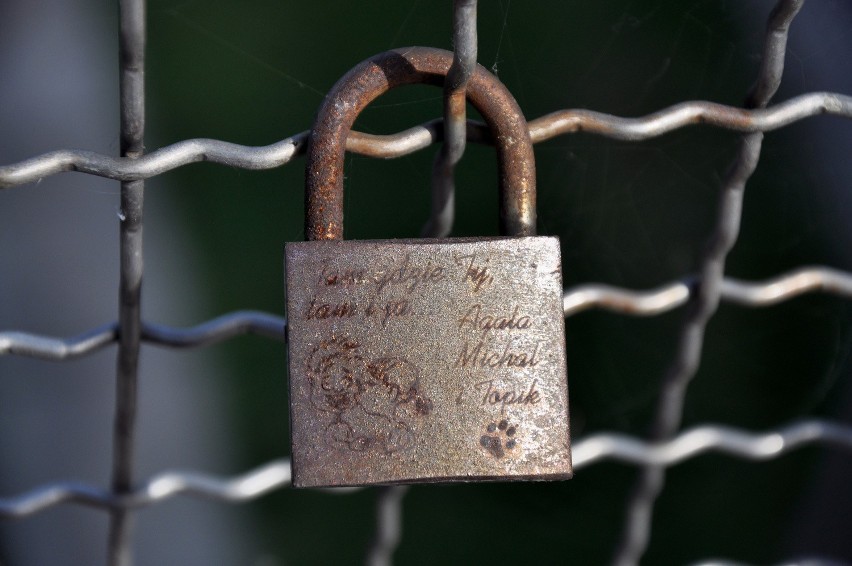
[(377, 75)]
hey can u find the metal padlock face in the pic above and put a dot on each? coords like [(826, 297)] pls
[(427, 360)]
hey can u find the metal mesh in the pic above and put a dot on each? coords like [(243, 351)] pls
[(667, 444)]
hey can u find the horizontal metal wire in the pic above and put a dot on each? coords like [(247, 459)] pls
[(578, 299), (691, 113), (809, 561), (57, 349), (218, 329), (248, 486), (672, 295), (706, 438), (408, 141), (210, 332), (597, 448)]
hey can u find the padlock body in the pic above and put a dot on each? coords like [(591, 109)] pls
[(426, 360)]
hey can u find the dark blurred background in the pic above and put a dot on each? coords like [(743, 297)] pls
[(632, 215)]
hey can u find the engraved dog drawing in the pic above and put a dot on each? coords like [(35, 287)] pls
[(372, 402)]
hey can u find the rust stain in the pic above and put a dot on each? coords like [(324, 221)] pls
[(374, 77)]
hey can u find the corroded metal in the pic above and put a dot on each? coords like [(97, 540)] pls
[(427, 360), (375, 76), (424, 360)]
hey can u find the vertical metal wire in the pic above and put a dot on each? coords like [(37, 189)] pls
[(704, 303), (440, 222), (132, 93), (388, 525), (390, 499)]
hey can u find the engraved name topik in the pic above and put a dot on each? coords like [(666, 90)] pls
[(500, 396)]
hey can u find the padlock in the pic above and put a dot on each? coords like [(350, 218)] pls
[(424, 360)]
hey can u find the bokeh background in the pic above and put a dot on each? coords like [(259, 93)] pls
[(633, 215)]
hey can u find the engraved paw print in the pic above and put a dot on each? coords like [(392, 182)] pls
[(500, 436)]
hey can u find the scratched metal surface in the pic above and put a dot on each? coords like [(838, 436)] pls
[(427, 360), (589, 295)]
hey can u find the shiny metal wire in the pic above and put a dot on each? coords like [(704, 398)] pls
[(700, 294), (414, 139), (704, 302), (576, 300), (586, 452)]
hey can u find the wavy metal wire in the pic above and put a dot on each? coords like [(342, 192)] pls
[(807, 561), (593, 449), (704, 303), (586, 452), (419, 137), (276, 475), (574, 301), (597, 448)]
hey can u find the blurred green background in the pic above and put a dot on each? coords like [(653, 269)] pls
[(632, 215)]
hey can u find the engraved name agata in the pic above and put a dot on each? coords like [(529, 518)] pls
[(475, 318)]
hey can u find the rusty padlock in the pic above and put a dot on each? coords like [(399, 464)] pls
[(424, 360)]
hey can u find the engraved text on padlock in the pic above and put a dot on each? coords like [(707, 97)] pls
[(430, 359), (421, 360)]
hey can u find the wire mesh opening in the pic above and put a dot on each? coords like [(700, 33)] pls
[(694, 294)]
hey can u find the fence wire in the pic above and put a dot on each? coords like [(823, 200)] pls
[(704, 302), (586, 452), (666, 446), (555, 124)]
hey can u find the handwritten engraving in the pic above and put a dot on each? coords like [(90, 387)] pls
[(335, 275), (384, 311), (370, 403), (407, 275), (391, 309), (481, 355), (485, 322), (426, 360), (494, 396), (323, 311), (476, 274)]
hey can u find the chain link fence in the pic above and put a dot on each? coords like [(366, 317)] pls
[(667, 444)]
